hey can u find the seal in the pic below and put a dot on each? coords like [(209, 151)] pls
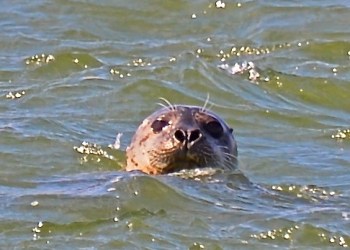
[(178, 137)]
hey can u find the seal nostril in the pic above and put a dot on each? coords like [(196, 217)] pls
[(180, 135), (194, 135)]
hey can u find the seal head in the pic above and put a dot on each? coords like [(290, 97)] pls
[(181, 137)]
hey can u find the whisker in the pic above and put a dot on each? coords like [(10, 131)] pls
[(230, 158), (224, 147), (230, 155), (170, 105), (227, 163), (211, 106), (163, 105), (206, 103)]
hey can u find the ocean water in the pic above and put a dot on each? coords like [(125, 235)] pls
[(76, 73)]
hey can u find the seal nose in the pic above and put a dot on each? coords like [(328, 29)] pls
[(190, 137)]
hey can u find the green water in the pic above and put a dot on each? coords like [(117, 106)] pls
[(84, 71)]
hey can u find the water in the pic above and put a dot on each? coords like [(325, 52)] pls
[(105, 65)]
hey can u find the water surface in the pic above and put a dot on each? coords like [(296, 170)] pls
[(76, 71)]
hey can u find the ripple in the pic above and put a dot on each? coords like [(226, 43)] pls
[(90, 70)]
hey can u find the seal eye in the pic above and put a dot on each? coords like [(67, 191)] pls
[(158, 125), (214, 128)]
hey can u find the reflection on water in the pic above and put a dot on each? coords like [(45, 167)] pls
[(74, 74)]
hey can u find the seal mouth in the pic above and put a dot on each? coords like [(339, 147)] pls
[(181, 164), (185, 157)]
